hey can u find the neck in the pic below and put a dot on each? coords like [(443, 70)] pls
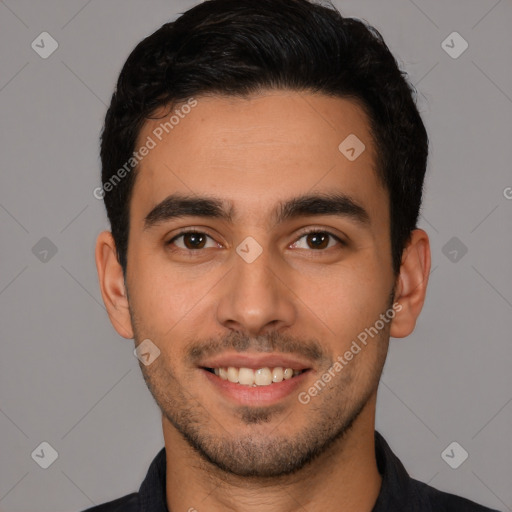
[(345, 477)]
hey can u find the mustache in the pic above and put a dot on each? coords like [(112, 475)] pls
[(311, 349)]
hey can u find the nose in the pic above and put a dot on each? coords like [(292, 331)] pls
[(256, 298)]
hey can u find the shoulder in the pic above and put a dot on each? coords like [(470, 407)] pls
[(401, 492), (128, 503), (431, 498)]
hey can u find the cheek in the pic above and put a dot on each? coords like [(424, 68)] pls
[(176, 304), (160, 298), (346, 298)]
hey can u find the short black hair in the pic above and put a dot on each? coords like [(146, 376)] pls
[(240, 47)]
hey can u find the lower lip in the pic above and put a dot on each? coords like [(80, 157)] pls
[(256, 395)]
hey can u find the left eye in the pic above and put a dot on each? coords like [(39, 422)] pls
[(318, 239)]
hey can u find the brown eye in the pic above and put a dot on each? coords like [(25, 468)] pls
[(192, 240), (317, 239)]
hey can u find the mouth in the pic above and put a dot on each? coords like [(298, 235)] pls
[(265, 376), (255, 379)]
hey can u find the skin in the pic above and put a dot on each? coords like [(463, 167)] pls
[(256, 152)]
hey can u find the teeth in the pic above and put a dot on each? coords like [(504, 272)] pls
[(260, 377), (232, 374), (277, 374), (246, 376)]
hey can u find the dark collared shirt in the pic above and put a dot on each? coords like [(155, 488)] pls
[(399, 492)]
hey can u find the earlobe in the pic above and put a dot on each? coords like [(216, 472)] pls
[(112, 286), (412, 283)]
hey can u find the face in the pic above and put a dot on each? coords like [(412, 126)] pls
[(246, 270)]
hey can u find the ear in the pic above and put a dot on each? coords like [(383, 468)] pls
[(412, 284), (111, 280)]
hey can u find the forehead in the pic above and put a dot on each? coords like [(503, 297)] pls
[(258, 151)]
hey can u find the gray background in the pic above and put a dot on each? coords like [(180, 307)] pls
[(67, 378)]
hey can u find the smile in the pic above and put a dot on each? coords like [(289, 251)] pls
[(259, 377)]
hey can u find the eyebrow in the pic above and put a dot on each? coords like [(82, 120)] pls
[(180, 205)]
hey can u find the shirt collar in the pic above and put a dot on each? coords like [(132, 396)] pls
[(396, 484), (152, 492)]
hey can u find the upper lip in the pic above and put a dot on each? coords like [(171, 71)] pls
[(256, 361)]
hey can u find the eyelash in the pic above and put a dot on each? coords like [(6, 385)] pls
[(303, 234)]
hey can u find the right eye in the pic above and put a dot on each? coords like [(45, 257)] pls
[(192, 240)]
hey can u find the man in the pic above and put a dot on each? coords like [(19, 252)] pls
[(262, 167)]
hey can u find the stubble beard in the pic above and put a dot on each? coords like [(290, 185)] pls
[(261, 453)]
